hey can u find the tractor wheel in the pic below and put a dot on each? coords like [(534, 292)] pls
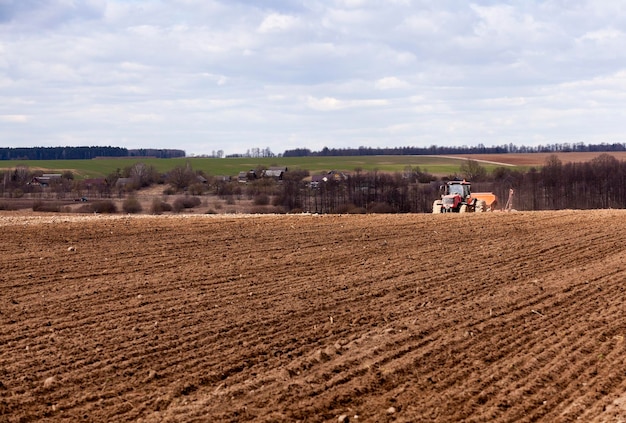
[(481, 206), (463, 208), (437, 206)]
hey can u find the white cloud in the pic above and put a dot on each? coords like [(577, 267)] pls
[(331, 103), (391, 83), (144, 117), (276, 22), (602, 35), (14, 118)]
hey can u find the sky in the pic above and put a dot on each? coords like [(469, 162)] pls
[(233, 75)]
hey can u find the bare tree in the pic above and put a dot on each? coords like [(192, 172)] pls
[(181, 177), (471, 170)]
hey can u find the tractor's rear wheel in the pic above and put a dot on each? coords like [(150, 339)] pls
[(437, 205), (481, 206)]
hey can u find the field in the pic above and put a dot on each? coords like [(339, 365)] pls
[(232, 166), (539, 159), (432, 318), (437, 165)]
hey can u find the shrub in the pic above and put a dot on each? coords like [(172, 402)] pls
[(132, 205), (382, 208), (178, 205), (261, 200), (186, 203), (105, 206), (259, 210), (159, 206), (357, 210), (190, 202), (350, 209), (169, 191), (41, 206), (156, 208), (197, 189), (85, 208), (345, 208), (266, 210)]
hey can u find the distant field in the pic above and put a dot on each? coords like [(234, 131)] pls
[(437, 165), (538, 159)]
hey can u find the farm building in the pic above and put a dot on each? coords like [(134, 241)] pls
[(333, 175), (244, 176), (45, 179), (275, 172)]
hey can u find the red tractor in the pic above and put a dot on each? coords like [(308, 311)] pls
[(456, 197)]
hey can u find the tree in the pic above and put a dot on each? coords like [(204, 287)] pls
[(181, 177), (552, 173), (471, 170), (110, 181), (607, 177), (142, 174)]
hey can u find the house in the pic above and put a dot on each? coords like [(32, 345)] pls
[(333, 175), (244, 177), (45, 179), (317, 180), (275, 172)]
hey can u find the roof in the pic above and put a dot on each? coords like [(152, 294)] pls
[(274, 173)]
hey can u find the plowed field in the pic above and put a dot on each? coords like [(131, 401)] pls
[(486, 317)]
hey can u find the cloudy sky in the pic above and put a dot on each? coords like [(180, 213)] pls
[(208, 75)]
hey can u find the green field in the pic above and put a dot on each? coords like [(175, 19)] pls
[(232, 166)]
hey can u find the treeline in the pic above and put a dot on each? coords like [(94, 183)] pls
[(596, 184), (441, 150), (83, 153)]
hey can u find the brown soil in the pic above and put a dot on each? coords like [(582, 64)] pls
[(486, 317)]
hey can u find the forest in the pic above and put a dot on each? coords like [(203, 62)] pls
[(446, 150), (83, 153)]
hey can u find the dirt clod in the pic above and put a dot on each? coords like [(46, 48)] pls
[(50, 382)]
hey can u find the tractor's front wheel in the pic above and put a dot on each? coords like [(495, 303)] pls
[(437, 206)]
